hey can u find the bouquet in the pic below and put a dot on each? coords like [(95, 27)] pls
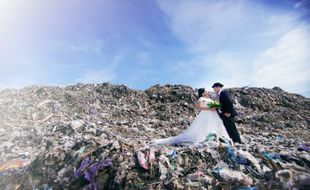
[(214, 104)]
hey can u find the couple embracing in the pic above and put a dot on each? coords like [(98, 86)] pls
[(210, 120)]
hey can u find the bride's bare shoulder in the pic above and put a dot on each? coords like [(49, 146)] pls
[(201, 99)]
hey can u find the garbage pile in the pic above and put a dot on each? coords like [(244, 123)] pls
[(97, 136)]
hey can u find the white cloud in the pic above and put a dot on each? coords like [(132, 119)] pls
[(225, 39), (231, 69), (286, 64), (208, 26), (203, 25)]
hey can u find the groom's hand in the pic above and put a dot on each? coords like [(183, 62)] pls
[(227, 114)]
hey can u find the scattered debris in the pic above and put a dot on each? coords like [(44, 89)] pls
[(98, 137)]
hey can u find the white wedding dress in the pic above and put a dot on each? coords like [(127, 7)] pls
[(205, 123)]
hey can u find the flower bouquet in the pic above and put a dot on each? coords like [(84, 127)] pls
[(214, 104)]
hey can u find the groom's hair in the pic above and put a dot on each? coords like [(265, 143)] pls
[(200, 92), (217, 84)]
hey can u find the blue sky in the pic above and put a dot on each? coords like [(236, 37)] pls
[(140, 43)]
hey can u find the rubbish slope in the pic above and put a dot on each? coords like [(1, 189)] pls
[(90, 136)]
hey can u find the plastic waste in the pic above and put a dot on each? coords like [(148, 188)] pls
[(303, 147), (83, 164), (272, 156), (232, 176), (142, 160), (212, 137), (11, 164), (76, 127)]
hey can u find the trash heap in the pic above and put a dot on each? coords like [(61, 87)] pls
[(97, 136)]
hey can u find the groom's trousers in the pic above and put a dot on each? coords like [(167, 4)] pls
[(229, 123)]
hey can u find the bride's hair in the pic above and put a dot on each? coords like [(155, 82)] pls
[(200, 92)]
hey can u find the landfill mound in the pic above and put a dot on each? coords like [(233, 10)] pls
[(96, 136)]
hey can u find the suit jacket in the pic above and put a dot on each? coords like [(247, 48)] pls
[(227, 104)]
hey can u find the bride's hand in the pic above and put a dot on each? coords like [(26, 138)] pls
[(227, 114), (213, 109)]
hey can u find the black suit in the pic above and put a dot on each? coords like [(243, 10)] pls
[(229, 122)]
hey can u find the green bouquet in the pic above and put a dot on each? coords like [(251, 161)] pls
[(214, 104)]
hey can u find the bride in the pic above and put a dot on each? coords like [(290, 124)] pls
[(207, 122)]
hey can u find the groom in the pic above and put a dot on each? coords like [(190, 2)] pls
[(227, 111)]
